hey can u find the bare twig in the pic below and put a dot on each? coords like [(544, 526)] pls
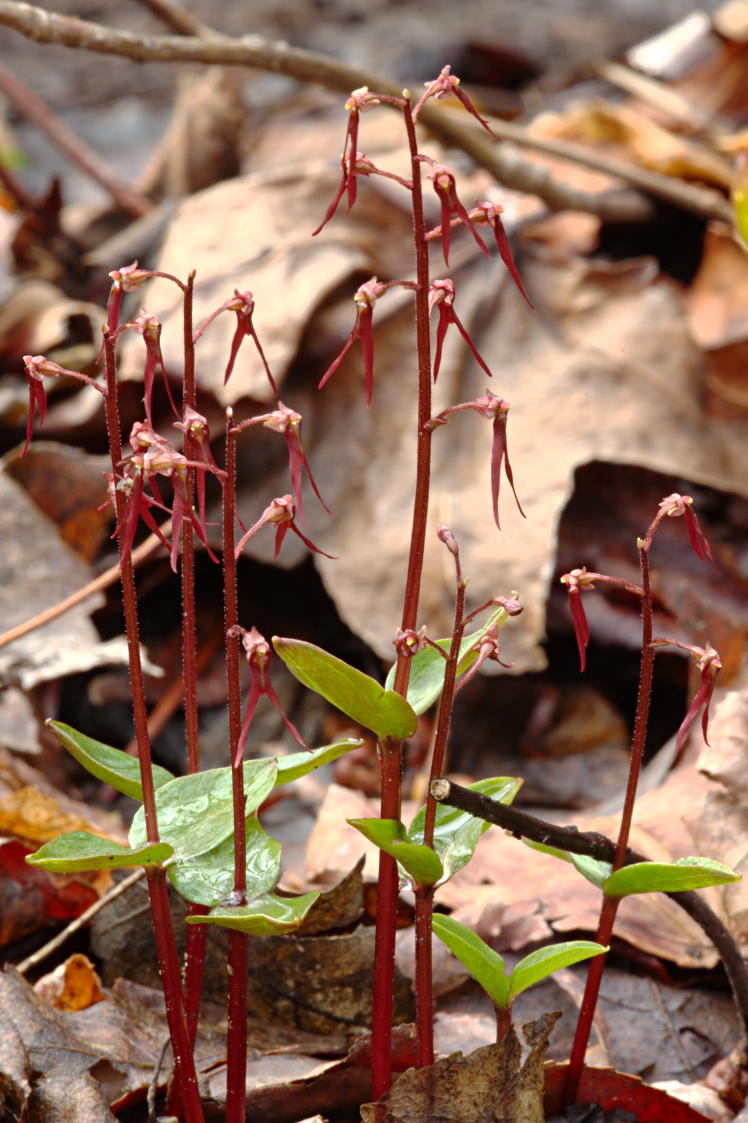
[(180, 19), (506, 166), (70, 929), (595, 845), (66, 141), (103, 581)]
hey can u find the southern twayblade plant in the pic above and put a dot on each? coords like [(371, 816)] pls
[(338, 683), (424, 670), (200, 831), (614, 880)]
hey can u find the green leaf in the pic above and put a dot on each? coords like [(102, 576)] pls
[(294, 765), (195, 813), (668, 877), (538, 965), (81, 850), (456, 832), (484, 964), (356, 694), (427, 666), (120, 770), (420, 863), (209, 878), (268, 915)]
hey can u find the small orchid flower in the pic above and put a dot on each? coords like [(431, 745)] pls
[(490, 214), (153, 456), (243, 304), (352, 162), (576, 582), (365, 298), (445, 85), (408, 642), (197, 426), (495, 409), (279, 513), (130, 277), (288, 422), (149, 327), (36, 369), (487, 648), (675, 505), (442, 295), (259, 653), (710, 664), (446, 190)]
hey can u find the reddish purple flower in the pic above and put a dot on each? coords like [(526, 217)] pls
[(675, 505), (446, 190), (352, 162), (487, 648), (445, 85), (365, 298), (150, 329), (442, 295), (259, 653), (130, 277), (288, 422), (197, 426), (36, 369), (490, 214), (710, 664), (243, 304), (280, 513), (576, 581), (495, 409), (152, 457)]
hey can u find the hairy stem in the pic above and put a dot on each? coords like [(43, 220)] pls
[(238, 954), (184, 1064), (609, 907), (391, 751)]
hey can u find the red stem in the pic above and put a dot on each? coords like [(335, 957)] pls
[(424, 987), (610, 904), (391, 751), (238, 953), (425, 895), (197, 934), (184, 1064)]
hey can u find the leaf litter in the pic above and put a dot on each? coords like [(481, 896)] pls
[(611, 357)]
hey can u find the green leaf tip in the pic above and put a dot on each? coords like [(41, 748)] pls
[(357, 695), (112, 766), (668, 877)]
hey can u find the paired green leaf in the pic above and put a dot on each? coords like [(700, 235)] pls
[(456, 835), (487, 966), (209, 878), (358, 695), (668, 877), (268, 915), (195, 813), (120, 770), (427, 665), (80, 850)]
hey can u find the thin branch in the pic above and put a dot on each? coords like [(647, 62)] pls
[(507, 166), (70, 144), (103, 581), (75, 925), (596, 845)]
